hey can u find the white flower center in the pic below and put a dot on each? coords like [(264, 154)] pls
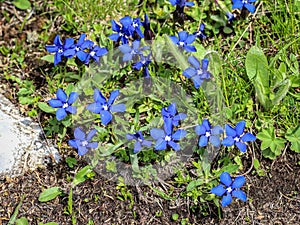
[(77, 49), (207, 134), (236, 139), (134, 24), (105, 107), (181, 43), (65, 105), (140, 140), (244, 1), (60, 50), (92, 53), (199, 71), (167, 138), (229, 190), (84, 143)]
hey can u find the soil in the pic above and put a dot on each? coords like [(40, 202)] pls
[(272, 199)]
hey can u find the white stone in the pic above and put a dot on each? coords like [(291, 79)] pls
[(21, 144)]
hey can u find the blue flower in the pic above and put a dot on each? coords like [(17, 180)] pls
[(239, 4), (200, 33), (64, 104), (144, 62), (82, 141), (131, 51), (59, 49), (171, 113), (123, 33), (78, 48), (181, 3), (140, 141), (103, 107), (148, 34), (95, 53), (197, 73), (207, 133), (237, 137), (184, 41), (136, 27), (231, 189), (166, 137)]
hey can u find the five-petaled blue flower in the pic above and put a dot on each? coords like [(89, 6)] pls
[(139, 141), (171, 113), (64, 104), (239, 4), (231, 189), (200, 33), (181, 3), (237, 137), (184, 41), (60, 49), (95, 53), (103, 107), (82, 141), (144, 62), (78, 48), (136, 27), (167, 137), (197, 73), (130, 51), (207, 133)]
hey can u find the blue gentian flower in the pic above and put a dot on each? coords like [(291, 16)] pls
[(200, 33), (144, 62), (82, 141), (139, 141), (105, 107), (166, 137), (231, 189), (60, 49), (237, 137), (95, 53), (171, 113), (230, 16), (239, 4), (184, 41), (197, 73), (181, 3), (136, 27), (207, 133), (64, 104), (123, 33), (78, 48), (130, 51)]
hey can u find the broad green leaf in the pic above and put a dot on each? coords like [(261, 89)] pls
[(281, 93), (22, 221), (81, 175), (193, 184), (45, 107), (293, 136), (22, 4), (49, 194), (48, 58)]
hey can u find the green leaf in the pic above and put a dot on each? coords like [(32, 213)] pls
[(22, 4), (15, 214), (49, 194), (81, 175), (45, 107), (293, 136), (71, 162), (22, 221), (50, 223), (281, 93), (48, 58), (193, 184)]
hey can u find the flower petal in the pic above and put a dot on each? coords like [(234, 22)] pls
[(215, 140), (51, 48), (190, 48), (240, 195), (197, 81), (160, 144), (218, 190), (71, 109), (130, 137), (180, 116), (72, 143), (113, 95), (200, 130), (60, 114), (203, 141), (115, 26), (157, 133), (241, 146), (82, 150), (180, 133), (194, 61), (57, 41), (147, 143), (174, 145), (240, 127), (68, 43), (182, 35), (98, 97), (168, 126), (55, 103), (228, 141), (81, 55), (61, 95), (190, 39), (91, 134), (217, 130), (248, 137), (94, 107), (79, 134), (118, 108), (238, 182), (174, 39), (250, 7), (230, 131), (225, 178), (92, 145), (205, 63), (226, 200), (137, 147), (106, 117), (189, 72), (72, 98)]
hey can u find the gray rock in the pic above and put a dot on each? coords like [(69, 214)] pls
[(22, 146)]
